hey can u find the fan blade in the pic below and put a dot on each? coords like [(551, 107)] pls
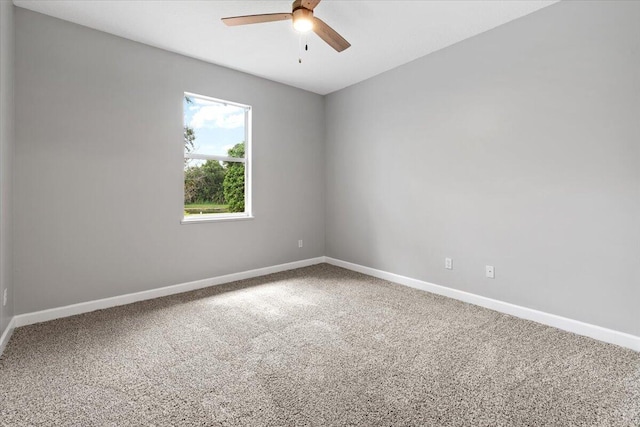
[(307, 4), (310, 4), (329, 35), (256, 19)]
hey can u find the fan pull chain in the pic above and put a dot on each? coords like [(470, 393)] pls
[(306, 46)]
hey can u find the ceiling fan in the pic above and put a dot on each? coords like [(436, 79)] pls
[(303, 21)]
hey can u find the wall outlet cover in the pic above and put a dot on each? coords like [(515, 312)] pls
[(490, 272)]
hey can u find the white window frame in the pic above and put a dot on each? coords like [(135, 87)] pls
[(231, 216)]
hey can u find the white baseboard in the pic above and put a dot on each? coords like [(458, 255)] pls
[(597, 332), (85, 307), (6, 335)]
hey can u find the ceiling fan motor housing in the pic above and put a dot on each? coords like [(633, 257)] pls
[(302, 15)]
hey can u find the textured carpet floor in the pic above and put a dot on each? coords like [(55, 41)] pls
[(314, 346)]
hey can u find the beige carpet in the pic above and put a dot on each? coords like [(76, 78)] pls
[(315, 346)]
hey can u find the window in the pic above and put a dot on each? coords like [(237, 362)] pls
[(217, 157)]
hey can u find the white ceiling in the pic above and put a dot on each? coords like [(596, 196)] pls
[(383, 34)]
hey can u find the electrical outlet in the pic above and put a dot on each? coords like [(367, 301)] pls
[(448, 263), (4, 297), (490, 272), (300, 243)]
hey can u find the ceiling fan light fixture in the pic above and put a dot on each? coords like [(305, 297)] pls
[(303, 20)]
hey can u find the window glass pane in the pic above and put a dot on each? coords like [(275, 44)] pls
[(212, 187), (212, 127)]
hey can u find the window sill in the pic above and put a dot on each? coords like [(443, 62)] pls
[(218, 218)]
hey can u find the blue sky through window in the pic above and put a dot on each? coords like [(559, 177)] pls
[(217, 126)]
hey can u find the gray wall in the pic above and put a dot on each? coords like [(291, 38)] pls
[(519, 148), (99, 168), (7, 143)]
